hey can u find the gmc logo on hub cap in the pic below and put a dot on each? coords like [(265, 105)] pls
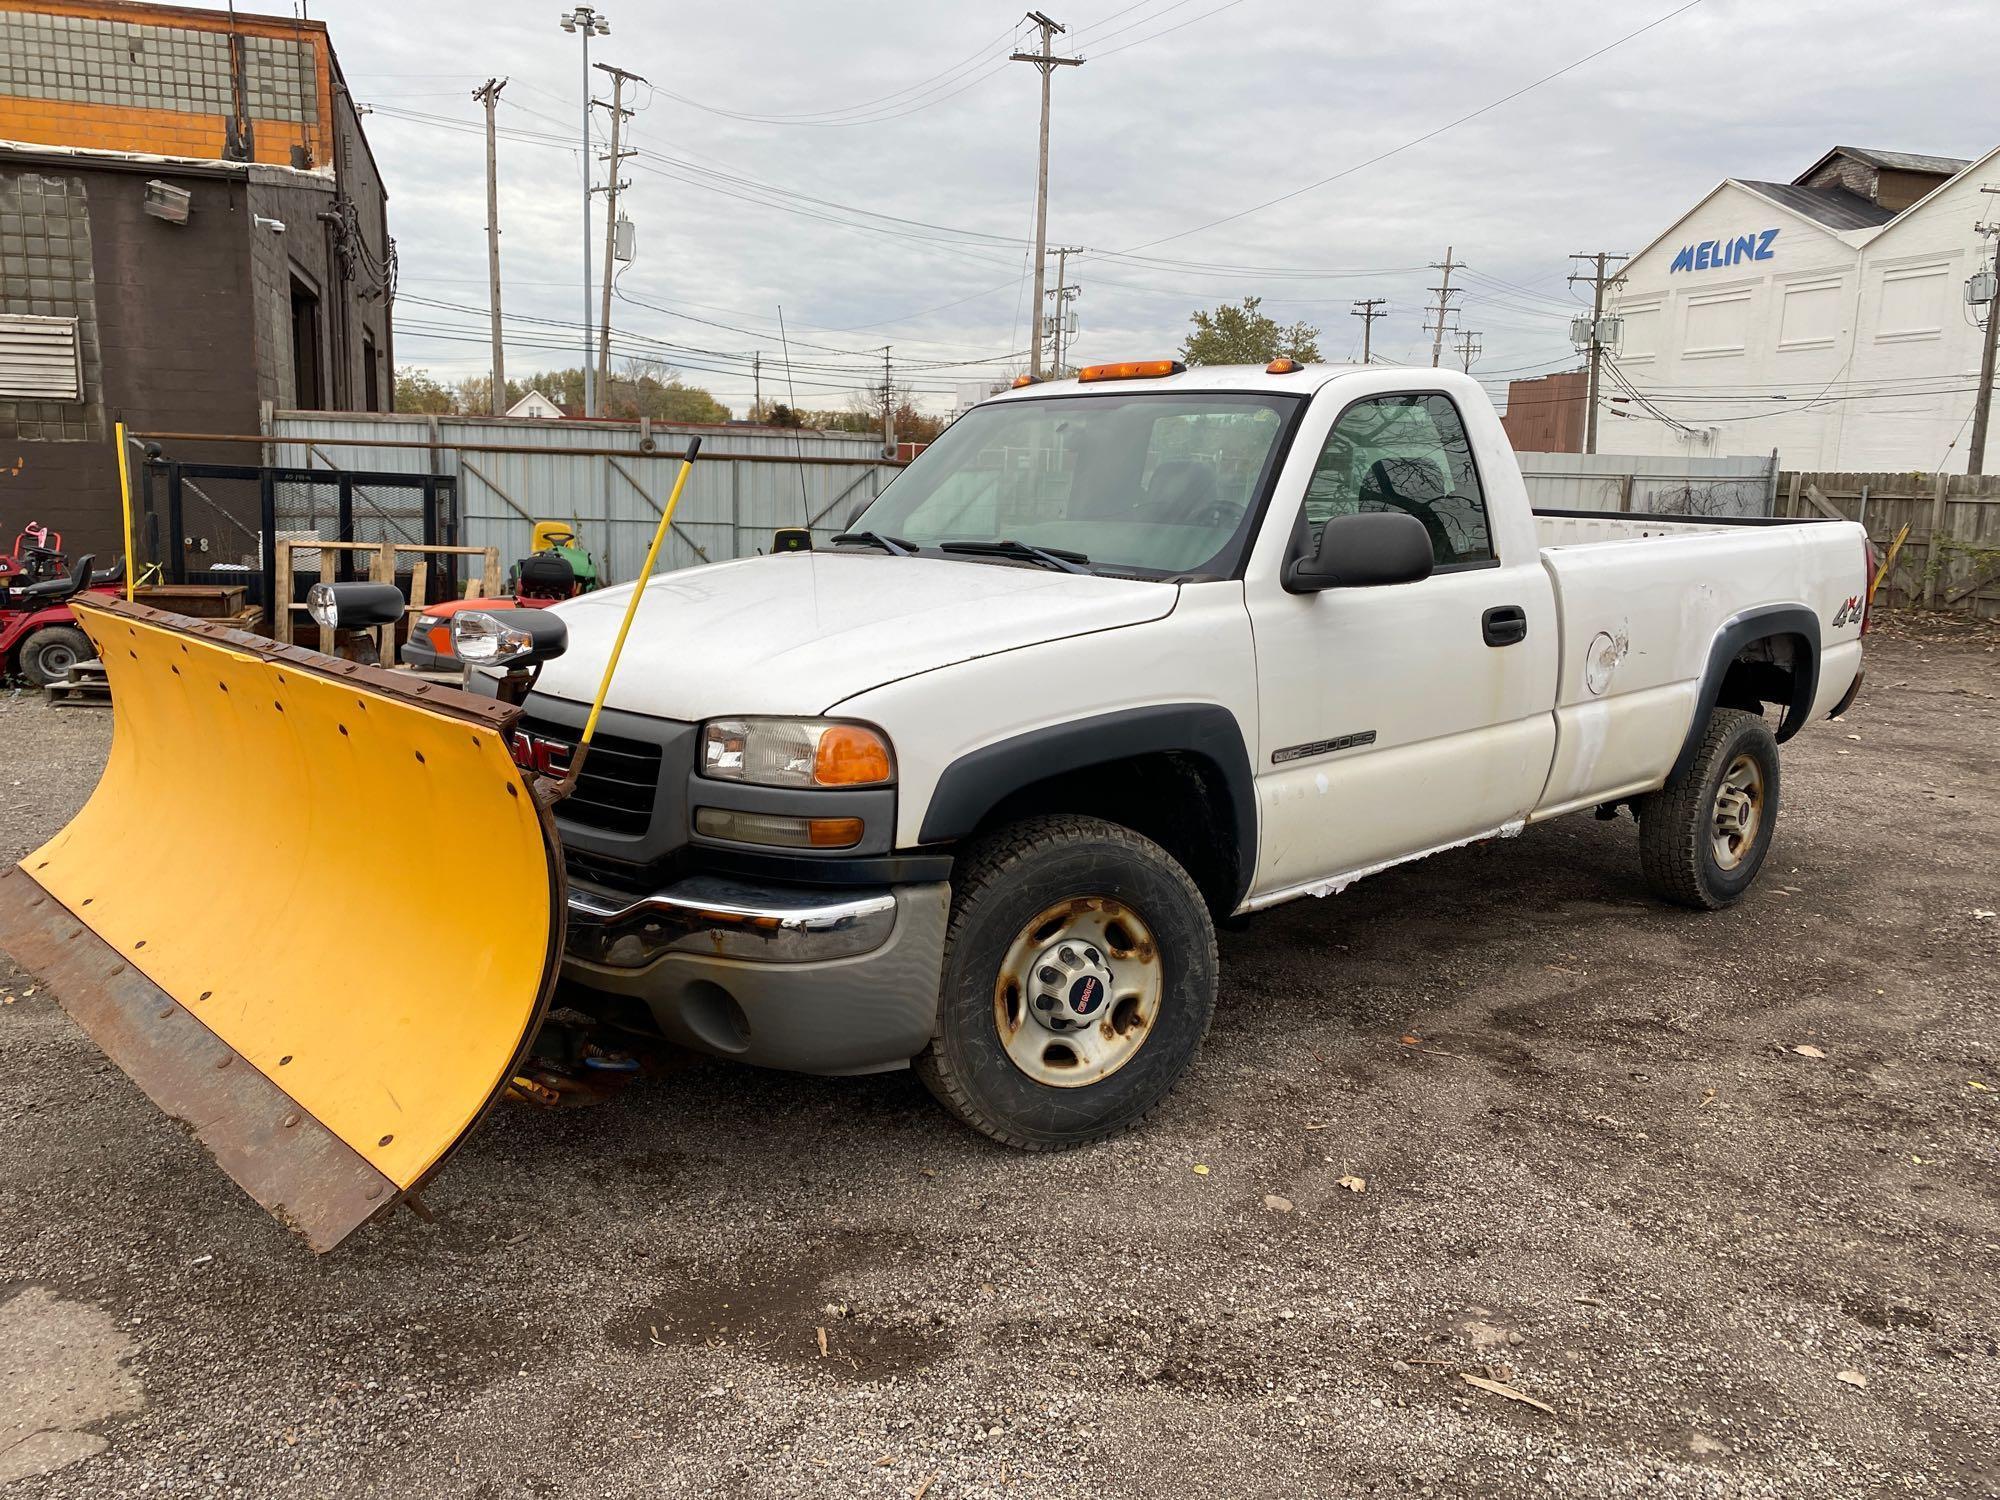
[(537, 753), (1086, 994)]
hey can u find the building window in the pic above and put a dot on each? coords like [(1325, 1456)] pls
[(308, 394), (1913, 303), (1809, 317), (371, 388), (1642, 333), (40, 358), (1407, 454), (1716, 326)]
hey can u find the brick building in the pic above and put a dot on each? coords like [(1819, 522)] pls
[(1545, 415), (191, 224)]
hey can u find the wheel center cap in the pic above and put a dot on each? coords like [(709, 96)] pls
[(1070, 985)]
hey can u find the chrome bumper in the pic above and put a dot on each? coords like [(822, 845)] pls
[(718, 917)]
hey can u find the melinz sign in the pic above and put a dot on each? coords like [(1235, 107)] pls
[(1712, 253)]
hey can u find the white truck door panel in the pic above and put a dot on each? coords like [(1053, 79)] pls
[(1388, 726)]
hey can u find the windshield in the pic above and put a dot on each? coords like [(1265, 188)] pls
[(1159, 484)]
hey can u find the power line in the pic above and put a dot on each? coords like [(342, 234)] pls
[(1428, 135)]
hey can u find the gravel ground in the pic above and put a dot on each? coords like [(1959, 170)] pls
[(1599, 1169)]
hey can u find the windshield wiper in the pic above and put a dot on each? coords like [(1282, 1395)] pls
[(895, 546), (1059, 558)]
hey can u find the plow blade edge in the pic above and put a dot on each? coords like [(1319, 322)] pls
[(236, 915)]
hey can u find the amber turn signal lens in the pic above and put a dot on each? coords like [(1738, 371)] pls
[(834, 833), (1282, 365), (1132, 369), (851, 755)]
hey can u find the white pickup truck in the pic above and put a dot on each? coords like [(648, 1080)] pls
[(1116, 657)]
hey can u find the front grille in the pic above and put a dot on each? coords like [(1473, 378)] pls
[(620, 779)]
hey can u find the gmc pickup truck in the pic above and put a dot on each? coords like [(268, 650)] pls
[(1115, 657)]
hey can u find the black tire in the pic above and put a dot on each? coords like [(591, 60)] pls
[(1002, 884), (1678, 835), (50, 652)]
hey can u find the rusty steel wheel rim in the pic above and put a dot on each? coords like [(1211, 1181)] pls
[(1078, 992), (1739, 812)]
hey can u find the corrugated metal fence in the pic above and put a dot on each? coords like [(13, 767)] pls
[(1650, 485), (608, 479)]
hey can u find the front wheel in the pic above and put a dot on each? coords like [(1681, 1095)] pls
[(1079, 978), (1703, 836)]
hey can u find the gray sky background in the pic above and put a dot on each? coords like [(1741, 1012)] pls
[(1186, 110)]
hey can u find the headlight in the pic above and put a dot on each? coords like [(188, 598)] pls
[(795, 752), (486, 640), (322, 605)]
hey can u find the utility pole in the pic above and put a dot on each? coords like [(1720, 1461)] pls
[(1046, 62), (757, 385), (1599, 279), (587, 21), (1982, 409), (490, 96), (1444, 291), (1064, 294), (1368, 309), (1469, 348), (888, 407), (611, 225)]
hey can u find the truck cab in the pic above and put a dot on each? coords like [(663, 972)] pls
[(1118, 656)]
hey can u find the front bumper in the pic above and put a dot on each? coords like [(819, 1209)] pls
[(811, 979)]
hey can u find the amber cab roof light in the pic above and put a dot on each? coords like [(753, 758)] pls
[(1132, 369), (1021, 380), (1284, 364)]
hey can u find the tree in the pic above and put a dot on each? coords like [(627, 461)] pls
[(420, 391), (1241, 335)]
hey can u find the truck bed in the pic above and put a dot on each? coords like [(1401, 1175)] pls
[(1637, 624), (1572, 528)]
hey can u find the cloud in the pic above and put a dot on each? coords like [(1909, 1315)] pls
[(1158, 131)]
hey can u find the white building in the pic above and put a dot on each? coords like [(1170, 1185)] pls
[(535, 404), (1824, 317)]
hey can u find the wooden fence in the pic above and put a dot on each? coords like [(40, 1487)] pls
[(1951, 557)]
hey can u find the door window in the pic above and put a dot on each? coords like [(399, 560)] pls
[(1406, 453)]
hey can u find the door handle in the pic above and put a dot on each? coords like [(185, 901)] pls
[(1504, 625)]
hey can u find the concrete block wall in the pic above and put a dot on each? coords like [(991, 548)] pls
[(46, 271), (105, 76)]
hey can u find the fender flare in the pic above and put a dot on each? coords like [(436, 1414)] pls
[(1738, 631), (978, 781)]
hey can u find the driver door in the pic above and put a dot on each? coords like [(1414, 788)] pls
[(1399, 719)]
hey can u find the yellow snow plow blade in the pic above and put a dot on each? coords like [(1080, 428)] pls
[(236, 916)]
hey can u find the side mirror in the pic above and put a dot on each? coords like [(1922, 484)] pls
[(1361, 551)]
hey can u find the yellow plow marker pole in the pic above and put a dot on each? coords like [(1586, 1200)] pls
[(125, 492), (631, 609), (230, 915)]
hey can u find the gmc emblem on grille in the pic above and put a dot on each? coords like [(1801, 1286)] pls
[(537, 753)]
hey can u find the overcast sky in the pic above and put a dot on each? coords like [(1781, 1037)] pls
[(1185, 111)]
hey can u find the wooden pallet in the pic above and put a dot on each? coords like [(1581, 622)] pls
[(86, 685)]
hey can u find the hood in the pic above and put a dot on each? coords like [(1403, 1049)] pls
[(797, 632)]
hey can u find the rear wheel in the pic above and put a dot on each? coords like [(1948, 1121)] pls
[(50, 652), (1703, 836), (1079, 978)]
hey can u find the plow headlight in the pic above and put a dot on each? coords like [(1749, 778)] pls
[(795, 752), (512, 638), (352, 606)]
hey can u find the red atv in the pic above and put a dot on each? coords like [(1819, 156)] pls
[(39, 637)]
